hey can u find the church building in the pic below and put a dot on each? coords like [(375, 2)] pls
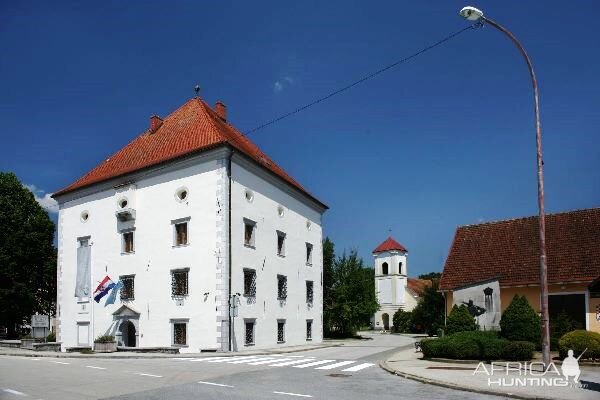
[(189, 237), (395, 290)]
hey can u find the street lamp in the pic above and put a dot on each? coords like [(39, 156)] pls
[(474, 14)]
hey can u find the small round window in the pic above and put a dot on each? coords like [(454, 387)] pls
[(280, 211), (182, 194), (249, 195), (84, 216), (123, 202)]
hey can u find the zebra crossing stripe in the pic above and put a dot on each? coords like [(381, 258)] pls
[(358, 367), (203, 359), (269, 361), (312, 364), (252, 359), (340, 364), (229, 359), (284, 364)]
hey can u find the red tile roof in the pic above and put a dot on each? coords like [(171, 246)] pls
[(417, 286), (509, 251), (194, 127), (388, 245)]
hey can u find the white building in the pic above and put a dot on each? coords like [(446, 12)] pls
[(192, 217), (395, 290)]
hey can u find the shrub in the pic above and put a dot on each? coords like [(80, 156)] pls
[(460, 320), (518, 351), (105, 339), (561, 325), (402, 321), (434, 348), (470, 345), (51, 337), (578, 341), (520, 322)]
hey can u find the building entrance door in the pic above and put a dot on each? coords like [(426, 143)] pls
[(128, 333), (386, 321)]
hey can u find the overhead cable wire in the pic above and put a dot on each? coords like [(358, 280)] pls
[(363, 79)]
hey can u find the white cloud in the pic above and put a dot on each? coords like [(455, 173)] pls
[(43, 199), (283, 83), (278, 86)]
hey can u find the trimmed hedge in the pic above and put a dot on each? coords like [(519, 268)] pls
[(520, 322), (477, 345), (403, 321), (460, 320), (578, 341)]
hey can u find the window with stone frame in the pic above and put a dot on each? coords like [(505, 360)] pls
[(180, 333), (127, 291), (249, 233), (280, 244), (309, 249), (309, 323), (309, 292), (128, 244), (281, 287), (181, 233), (179, 282), (249, 334), (281, 331), (249, 282)]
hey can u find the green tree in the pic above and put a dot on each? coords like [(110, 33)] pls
[(328, 294), (403, 321), (430, 276), (428, 315), (520, 321), (352, 299), (460, 320), (27, 256)]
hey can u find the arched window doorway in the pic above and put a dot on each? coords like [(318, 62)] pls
[(128, 333), (386, 321), (400, 267), (384, 268)]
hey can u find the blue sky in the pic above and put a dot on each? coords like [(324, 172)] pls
[(444, 140)]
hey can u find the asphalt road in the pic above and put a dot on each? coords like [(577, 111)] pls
[(348, 372)]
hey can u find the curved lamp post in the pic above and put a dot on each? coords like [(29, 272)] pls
[(473, 14)]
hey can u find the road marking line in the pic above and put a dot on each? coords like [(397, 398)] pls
[(358, 367), (293, 394), (340, 364), (247, 360), (269, 361), (60, 362), (283, 364), (14, 392), (91, 366), (295, 356), (227, 359), (205, 359), (215, 384), (312, 364), (151, 375)]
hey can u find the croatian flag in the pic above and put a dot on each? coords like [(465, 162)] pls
[(103, 288)]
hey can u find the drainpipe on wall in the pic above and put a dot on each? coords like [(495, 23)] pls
[(229, 264)]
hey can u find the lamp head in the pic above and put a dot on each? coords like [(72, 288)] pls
[(471, 13)]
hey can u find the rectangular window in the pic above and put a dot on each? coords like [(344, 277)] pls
[(249, 282), (309, 292), (249, 339), (181, 234), (127, 291), (281, 331), (249, 233), (309, 248), (281, 287), (309, 329), (280, 244), (128, 242), (180, 333), (179, 282)]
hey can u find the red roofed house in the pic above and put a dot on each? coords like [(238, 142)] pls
[(192, 218), (395, 290), (489, 263)]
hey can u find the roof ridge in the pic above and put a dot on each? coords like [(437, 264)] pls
[(499, 221)]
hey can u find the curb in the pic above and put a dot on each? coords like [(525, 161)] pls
[(385, 366), (137, 356)]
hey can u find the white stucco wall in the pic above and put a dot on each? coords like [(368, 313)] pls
[(265, 308), (490, 319), (156, 206)]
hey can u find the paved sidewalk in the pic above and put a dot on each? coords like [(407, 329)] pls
[(407, 363), (6, 351)]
